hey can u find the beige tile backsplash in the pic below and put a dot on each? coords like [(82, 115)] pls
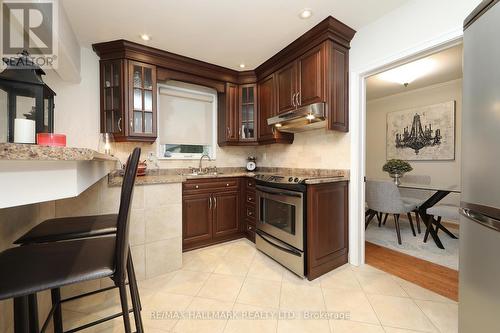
[(317, 149)]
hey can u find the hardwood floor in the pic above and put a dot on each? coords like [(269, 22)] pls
[(440, 279)]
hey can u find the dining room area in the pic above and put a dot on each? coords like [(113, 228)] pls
[(412, 183)]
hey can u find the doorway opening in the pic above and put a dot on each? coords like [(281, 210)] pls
[(412, 168)]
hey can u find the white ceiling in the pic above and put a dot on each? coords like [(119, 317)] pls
[(448, 67), (223, 32)]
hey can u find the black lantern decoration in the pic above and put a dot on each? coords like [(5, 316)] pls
[(25, 95)]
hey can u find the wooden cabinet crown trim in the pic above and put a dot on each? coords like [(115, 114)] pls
[(328, 29)]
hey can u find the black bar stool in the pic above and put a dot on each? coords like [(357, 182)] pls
[(36, 267), (72, 228)]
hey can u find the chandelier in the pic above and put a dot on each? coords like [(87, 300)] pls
[(418, 138)]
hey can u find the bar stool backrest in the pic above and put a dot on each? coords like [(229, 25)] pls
[(122, 228)]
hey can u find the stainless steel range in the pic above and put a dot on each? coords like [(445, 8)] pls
[(281, 209)]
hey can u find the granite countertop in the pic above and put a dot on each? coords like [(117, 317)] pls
[(31, 152), (166, 176), (324, 180)]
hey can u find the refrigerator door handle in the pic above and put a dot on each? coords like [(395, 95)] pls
[(481, 219)]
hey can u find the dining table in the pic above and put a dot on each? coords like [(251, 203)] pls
[(440, 192)]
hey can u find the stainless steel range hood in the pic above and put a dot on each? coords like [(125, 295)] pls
[(305, 118)]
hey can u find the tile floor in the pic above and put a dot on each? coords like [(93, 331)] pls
[(236, 279)]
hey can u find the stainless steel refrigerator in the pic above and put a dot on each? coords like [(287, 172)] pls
[(479, 269)]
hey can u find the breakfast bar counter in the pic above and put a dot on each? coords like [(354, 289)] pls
[(32, 173)]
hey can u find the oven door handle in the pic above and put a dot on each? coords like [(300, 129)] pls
[(288, 250), (278, 192)]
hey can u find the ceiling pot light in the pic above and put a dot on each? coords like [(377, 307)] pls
[(408, 73), (305, 13), (145, 37), (242, 66)]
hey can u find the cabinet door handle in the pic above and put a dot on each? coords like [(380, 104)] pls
[(196, 187), (249, 213), (227, 185), (119, 124), (215, 202), (209, 202), (249, 227), (293, 100), (298, 99)]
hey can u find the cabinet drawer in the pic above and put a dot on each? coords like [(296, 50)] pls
[(250, 197), (250, 230), (250, 183), (250, 212), (209, 185)]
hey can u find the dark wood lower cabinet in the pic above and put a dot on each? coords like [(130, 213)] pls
[(197, 217), (224, 209), (249, 211), (327, 227), (211, 212), (226, 214)]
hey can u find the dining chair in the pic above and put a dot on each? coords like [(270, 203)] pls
[(37, 267), (370, 214), (439, 211), (384, 197)]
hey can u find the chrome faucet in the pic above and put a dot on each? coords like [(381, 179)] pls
[(200, 169)]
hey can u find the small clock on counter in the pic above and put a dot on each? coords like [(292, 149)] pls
[(251, 165)]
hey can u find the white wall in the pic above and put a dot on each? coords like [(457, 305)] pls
[(407, 27), (440, 172), (77, 104)]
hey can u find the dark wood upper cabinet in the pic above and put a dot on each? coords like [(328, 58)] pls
[(142, 100), (248, 113), (128, 100), (311, 76), (112, 86), (327, 227), (232, 110), (228, 115), (287, 87), (313, 68), (302, 81), (337, 87), (266, 96), (266, 107)]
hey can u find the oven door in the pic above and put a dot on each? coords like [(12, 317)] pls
[(281, 214)]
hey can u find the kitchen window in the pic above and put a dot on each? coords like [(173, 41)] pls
[(186, 122)]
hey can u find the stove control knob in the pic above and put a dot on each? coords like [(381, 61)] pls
[(290, 179), (296, 180)]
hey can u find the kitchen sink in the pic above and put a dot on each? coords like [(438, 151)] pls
[(202, 174)]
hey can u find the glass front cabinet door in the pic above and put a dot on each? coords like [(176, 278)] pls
[(128, 100), (248, 112), (111, 94), (142, 113)]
